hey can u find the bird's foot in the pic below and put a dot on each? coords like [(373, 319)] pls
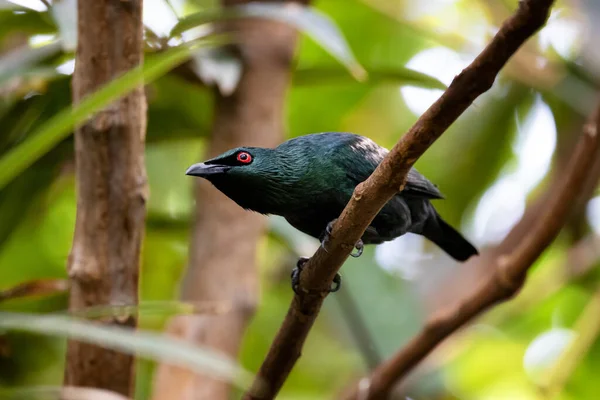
[(359, 246), (337, 281), (296, 274), (327, 233)]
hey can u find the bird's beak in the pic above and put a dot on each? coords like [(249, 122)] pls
[(203, 170)]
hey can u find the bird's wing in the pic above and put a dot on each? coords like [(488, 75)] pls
[(366, 156), (418, 185)]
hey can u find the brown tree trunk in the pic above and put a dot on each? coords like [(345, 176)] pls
[(111, 187), (223, 248)]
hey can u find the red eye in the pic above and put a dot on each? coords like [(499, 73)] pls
[(244, 157)]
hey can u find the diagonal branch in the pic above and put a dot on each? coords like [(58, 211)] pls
[(389, 177), (38, 287), (509, 274)]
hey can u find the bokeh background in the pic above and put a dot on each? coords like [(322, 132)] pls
[(490, 165)]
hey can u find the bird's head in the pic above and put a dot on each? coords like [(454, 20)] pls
[(241, 162), (251, 176)]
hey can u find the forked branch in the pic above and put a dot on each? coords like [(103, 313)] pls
[(389, 177), (507, 279)]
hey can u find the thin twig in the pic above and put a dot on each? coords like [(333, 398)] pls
[(509, 273), (389, 177), (47, 4)]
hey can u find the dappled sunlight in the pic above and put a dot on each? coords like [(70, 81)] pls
[(403, 256), (544, 351), (159, 17), (32, 4), (503, 204), (420, 9), (562, 33), (534, 145), (67, 67), (499, 209), (439, 62), (465, 20), (39, 40), (593, 214), (227, 271)]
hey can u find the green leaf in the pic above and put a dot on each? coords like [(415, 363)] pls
[(395, 76), (60, 126), (141, 343), (306, 19), (24, 21)]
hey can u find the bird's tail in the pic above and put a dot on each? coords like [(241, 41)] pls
[(448, 239)]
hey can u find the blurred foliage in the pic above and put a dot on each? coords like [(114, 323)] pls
[(485, 361)]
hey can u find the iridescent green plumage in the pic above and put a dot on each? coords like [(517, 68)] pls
[(308, 180)]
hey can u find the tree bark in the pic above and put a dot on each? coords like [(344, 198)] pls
[(223, 247), (111, 187)]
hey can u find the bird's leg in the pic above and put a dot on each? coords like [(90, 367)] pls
[(359, 246), (337, 280)]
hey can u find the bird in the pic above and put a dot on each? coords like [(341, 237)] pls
[(309, 179)]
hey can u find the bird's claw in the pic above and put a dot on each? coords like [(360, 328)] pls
[(359, 246), (329, 227), (326, 234), (337, 283), (295, 276), (323, 245)]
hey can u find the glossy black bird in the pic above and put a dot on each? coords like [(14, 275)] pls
[(309, 180)]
